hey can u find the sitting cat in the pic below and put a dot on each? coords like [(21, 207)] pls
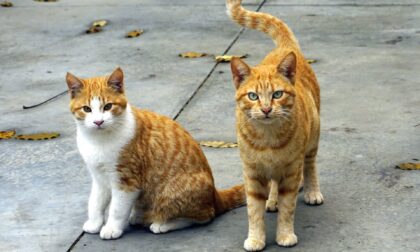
[(278, 127), (140, 162)]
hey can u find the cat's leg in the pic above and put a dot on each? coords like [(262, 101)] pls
[(136, 215), (313, 195), (288, 191), (119, 211), (160, 228), (271, 204), (256, 195), (98, 201)]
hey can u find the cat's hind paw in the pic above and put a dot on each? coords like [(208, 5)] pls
[(92, 227), (159, 228), (108, 232), (314, 198), (287, 240), (252, 244), (135, 219), (271, 206)]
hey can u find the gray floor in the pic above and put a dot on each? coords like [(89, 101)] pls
[(368, 64)]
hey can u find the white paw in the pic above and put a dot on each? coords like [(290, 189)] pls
[(314, 198), (271, 206), (92, 227), (108, 232), (252, 244), (159, 228), (287, 240), (135, 219)]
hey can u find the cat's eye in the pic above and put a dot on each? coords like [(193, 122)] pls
[(277, 94), (252, 96), (108, 106), (87, 109)]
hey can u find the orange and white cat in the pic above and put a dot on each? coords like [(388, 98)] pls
[(140, 163), (278, 128)]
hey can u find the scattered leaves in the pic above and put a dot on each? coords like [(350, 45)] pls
[(228, 58), (7, 134), (99, 23), (192, 55), (311, 61), (40, 136), (6, 4), (94, 29), (218, 144), (134, 33), (409, 166), (45, 0)]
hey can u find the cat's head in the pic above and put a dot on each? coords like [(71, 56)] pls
[(266, 93), (97, 103)]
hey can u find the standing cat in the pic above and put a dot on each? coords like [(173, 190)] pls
[(141, 162), (278, 128)]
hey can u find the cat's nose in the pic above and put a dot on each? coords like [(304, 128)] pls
[(99, 123), (266, 110)]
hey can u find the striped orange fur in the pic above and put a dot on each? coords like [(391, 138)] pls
[(278, 128)]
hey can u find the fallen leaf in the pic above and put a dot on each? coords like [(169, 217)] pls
[(40, 136), (218, 144), (7, 134), (94, 29), (99, 23), (6, 4), (45, 0), (409, 166), (135, 33), (192, 55), (310, 61), (228, 58)]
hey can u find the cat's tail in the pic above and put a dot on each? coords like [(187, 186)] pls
[(229, 199), (276, 28)]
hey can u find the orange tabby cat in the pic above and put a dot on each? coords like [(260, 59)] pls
[(277, 126), (140, 162)]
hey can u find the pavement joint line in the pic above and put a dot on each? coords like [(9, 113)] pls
[(76, 241), (214, 66)]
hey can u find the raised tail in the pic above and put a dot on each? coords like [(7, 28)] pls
[(277, 29), (229, 199)]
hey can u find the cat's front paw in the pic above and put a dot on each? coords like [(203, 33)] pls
[(252, 244), (92, 227), (159, 228), (287, 240), (314, 198), (271, 206), (108, 232)]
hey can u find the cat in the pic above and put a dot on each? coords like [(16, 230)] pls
[(145, 166), (278, 128)]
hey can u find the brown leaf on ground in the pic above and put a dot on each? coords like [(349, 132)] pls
[(192, 55), (93, 29), (311, 61), (40, 136), (228, 58), (45, 0), (99, 23), (134, 33), (409, 166), (218, 144), (6, 4), (7, 134)]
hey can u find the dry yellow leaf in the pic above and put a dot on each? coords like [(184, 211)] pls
[(409, 166), (6, 4), (192, 55), (7, 134), (218, 144), (99, 23), (228, 58), (93, 29), (40, 136), (310, 61), (135, 33)]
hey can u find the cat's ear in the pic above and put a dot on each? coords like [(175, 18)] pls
[(74, 84), (287, 67), (240, 70), (116, 80)]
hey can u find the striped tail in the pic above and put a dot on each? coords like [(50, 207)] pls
[(277, 29), (229, 199)]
